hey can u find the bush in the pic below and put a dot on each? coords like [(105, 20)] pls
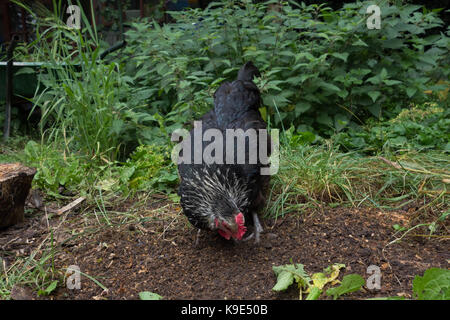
[(323, 70), (422, 127)]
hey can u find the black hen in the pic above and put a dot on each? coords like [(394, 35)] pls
[(224, 196)]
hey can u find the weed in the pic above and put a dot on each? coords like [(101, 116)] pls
[(313, 285)]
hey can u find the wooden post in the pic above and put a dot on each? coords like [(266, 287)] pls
[(15, 183)]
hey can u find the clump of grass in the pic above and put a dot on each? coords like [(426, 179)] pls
[(321, 175), (81, 97), (37, 272)]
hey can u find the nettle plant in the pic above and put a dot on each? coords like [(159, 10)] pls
[(322, 70)]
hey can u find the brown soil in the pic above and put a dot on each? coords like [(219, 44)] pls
[(157, 253)]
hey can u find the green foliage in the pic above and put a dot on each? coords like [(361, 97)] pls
[(54, 169), (47, 291), (422, 127), (89, 113), (80, 99), (287, 274), (88, 104), (350, 283), (323, 69), (149, 168), (433, 285), (295, 139)]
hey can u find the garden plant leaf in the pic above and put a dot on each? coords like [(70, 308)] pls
[(350, 283), (434, 285)]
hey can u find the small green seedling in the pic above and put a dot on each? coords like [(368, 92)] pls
[(398, 227), (287, 274), (45, 292), (147, 295)]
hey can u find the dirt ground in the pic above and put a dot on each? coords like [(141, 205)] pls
[(156, 253)]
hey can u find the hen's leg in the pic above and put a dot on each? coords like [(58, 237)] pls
[(197, 237), (258, 227)]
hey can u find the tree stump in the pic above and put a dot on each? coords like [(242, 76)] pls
[(15, 183)]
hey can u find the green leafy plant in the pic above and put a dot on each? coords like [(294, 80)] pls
[(47, 291), (433, 285), (350, 283), (322, 69), (313, 285), (54, 169), (149, 167), (421, 127), (287, 274)]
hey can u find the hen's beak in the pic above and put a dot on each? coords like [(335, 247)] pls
[(229, 226)]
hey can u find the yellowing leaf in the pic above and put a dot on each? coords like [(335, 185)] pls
[(328, 275), (319, 280), (333, 270)]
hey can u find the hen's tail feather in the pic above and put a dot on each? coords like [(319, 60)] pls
[(248, 71)]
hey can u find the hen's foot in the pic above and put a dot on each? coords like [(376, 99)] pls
[(257, 230)]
